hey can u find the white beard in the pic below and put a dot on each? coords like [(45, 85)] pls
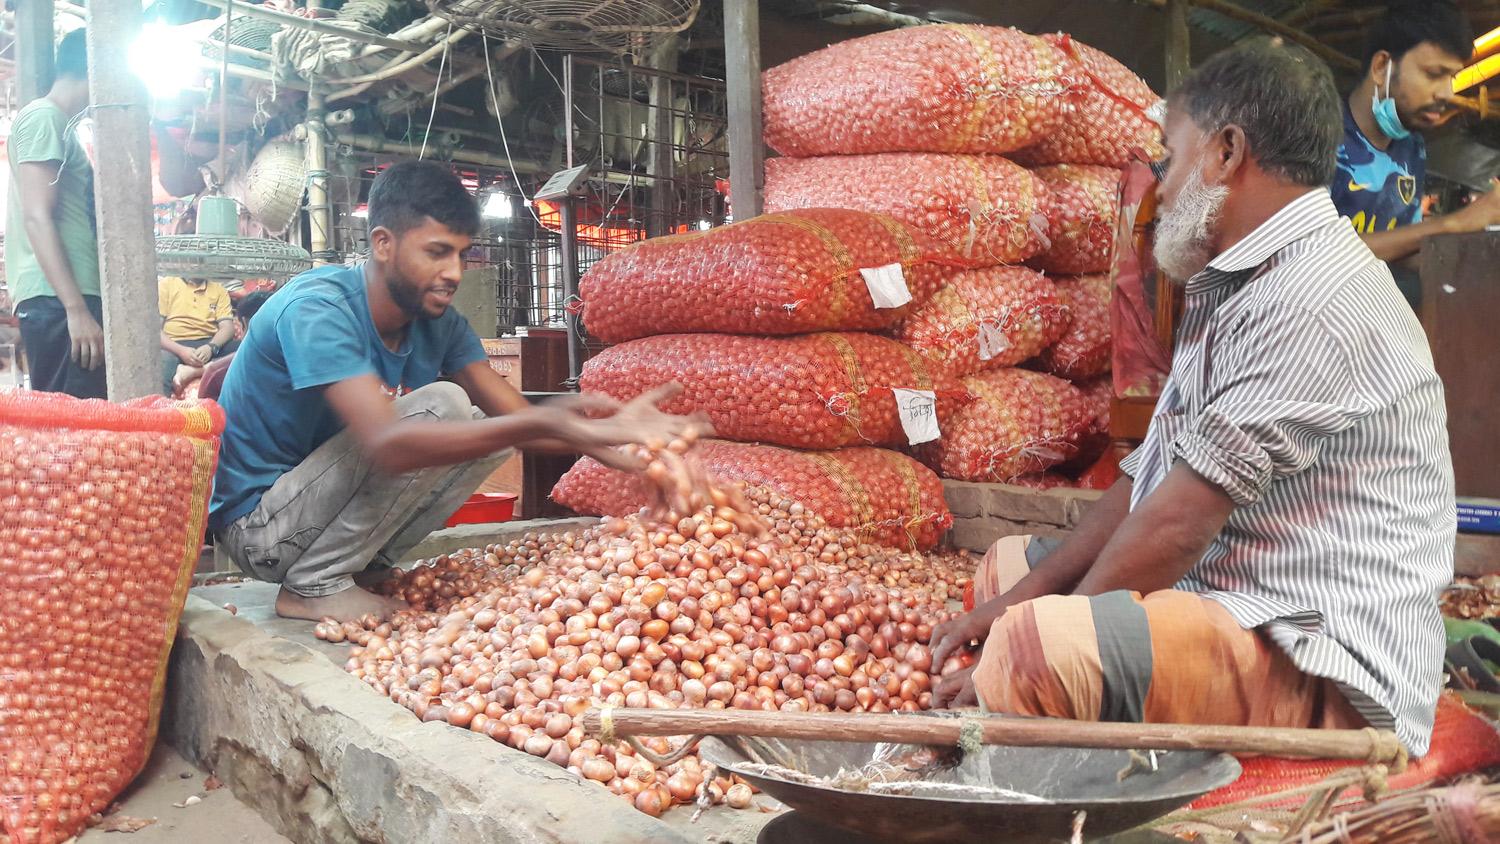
[(1184, 242)]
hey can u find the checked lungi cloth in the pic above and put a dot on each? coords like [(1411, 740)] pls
[(1167, 657)]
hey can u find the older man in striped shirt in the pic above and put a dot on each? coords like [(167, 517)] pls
[(1274, 554)]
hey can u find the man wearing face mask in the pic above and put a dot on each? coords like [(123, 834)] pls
[(1274, 552), (1413, 55)]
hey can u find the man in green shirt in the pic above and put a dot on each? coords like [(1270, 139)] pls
[(51, 245)]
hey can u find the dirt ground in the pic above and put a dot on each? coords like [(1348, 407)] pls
[(169, 779)]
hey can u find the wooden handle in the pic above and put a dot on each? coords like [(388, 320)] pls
[(1369, 745)]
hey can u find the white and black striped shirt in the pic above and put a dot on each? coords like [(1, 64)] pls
[(1303, 386)]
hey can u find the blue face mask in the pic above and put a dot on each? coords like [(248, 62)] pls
[(1385, 111)]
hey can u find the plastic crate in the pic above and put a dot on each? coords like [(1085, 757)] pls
[(485, 507)]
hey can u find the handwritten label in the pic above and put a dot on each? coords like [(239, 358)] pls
[(992, 341), (918, 411), (887, 286)]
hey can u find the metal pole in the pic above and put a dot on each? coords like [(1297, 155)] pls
[(1179, 49), (122, 199), (569, 255), (319, 207), (568, 245), (34, 48), (663, 141), (747, 166)]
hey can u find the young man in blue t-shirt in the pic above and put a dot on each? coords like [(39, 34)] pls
[(1413, 55), (343, 449)]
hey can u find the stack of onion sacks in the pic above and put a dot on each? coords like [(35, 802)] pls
[(750, 603)]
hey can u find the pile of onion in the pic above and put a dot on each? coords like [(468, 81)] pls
[(748, 602)]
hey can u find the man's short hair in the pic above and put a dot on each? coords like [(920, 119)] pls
[(1284, 99), (246, 307), (73, 55), (1408, 23), (407, 192)]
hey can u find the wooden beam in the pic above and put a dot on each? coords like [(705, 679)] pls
[(1276, 27), (1179, 43), (1308, 10), (35, 46), (747, 166), (122, 201)]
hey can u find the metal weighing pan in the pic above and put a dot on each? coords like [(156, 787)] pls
[(1069, 779)]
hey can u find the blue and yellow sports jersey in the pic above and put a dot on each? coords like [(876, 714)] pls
[(1377, 189)]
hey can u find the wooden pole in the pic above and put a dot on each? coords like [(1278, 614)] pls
[(1370, 745), (747, 166), (122, 200), (1179, 43), (35, 46)]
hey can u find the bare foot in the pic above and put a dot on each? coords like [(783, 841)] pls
[(347, 605)]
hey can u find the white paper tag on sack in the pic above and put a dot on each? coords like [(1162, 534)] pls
[(992, 341), (918, 411), (887, 286)]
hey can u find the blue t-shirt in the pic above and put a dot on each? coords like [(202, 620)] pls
[(1379, 189), (314, 332)]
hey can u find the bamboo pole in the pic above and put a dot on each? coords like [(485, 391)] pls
[(1369, 745)]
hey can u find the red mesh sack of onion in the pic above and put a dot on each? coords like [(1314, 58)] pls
[(888, 498), (790, 273), (1085, 349), (1114, 115), (982, 89), (986, 319), (102, 511), (810, 391), (981, 210), (1081, 225), (1021, 422)]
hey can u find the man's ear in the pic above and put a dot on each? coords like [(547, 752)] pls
[(382, 244), (1376, 70), (1229, 153)]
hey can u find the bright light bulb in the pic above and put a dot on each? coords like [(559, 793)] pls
[(361, 212), (497, 207), (704, 225), (162, 57)]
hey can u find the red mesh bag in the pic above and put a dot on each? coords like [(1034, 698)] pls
[(1463, 742), (1110, 119), (1085, 213), (982, 210), (1085, 349), (102, 510), (810, 391), (986, 319), (790, 273), (1044, 480), (888, 497), (925, 89), (1020, 423)]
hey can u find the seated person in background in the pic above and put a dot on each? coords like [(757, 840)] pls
[(1273, 552), (197, 325), (212, 380), (343, 450)]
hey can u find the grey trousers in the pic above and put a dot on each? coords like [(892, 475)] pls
[(335, 515)]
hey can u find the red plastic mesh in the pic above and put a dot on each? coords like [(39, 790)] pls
[(789, 273), (1108, 121), (1085, 213), (1086, 348), (1020, 423), (102, 511), (890, 498), (982, 210), (1463, 742), (982, 89), (810, 391), (1008, 313)]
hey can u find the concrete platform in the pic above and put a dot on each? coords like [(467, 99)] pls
[(267, 707)]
